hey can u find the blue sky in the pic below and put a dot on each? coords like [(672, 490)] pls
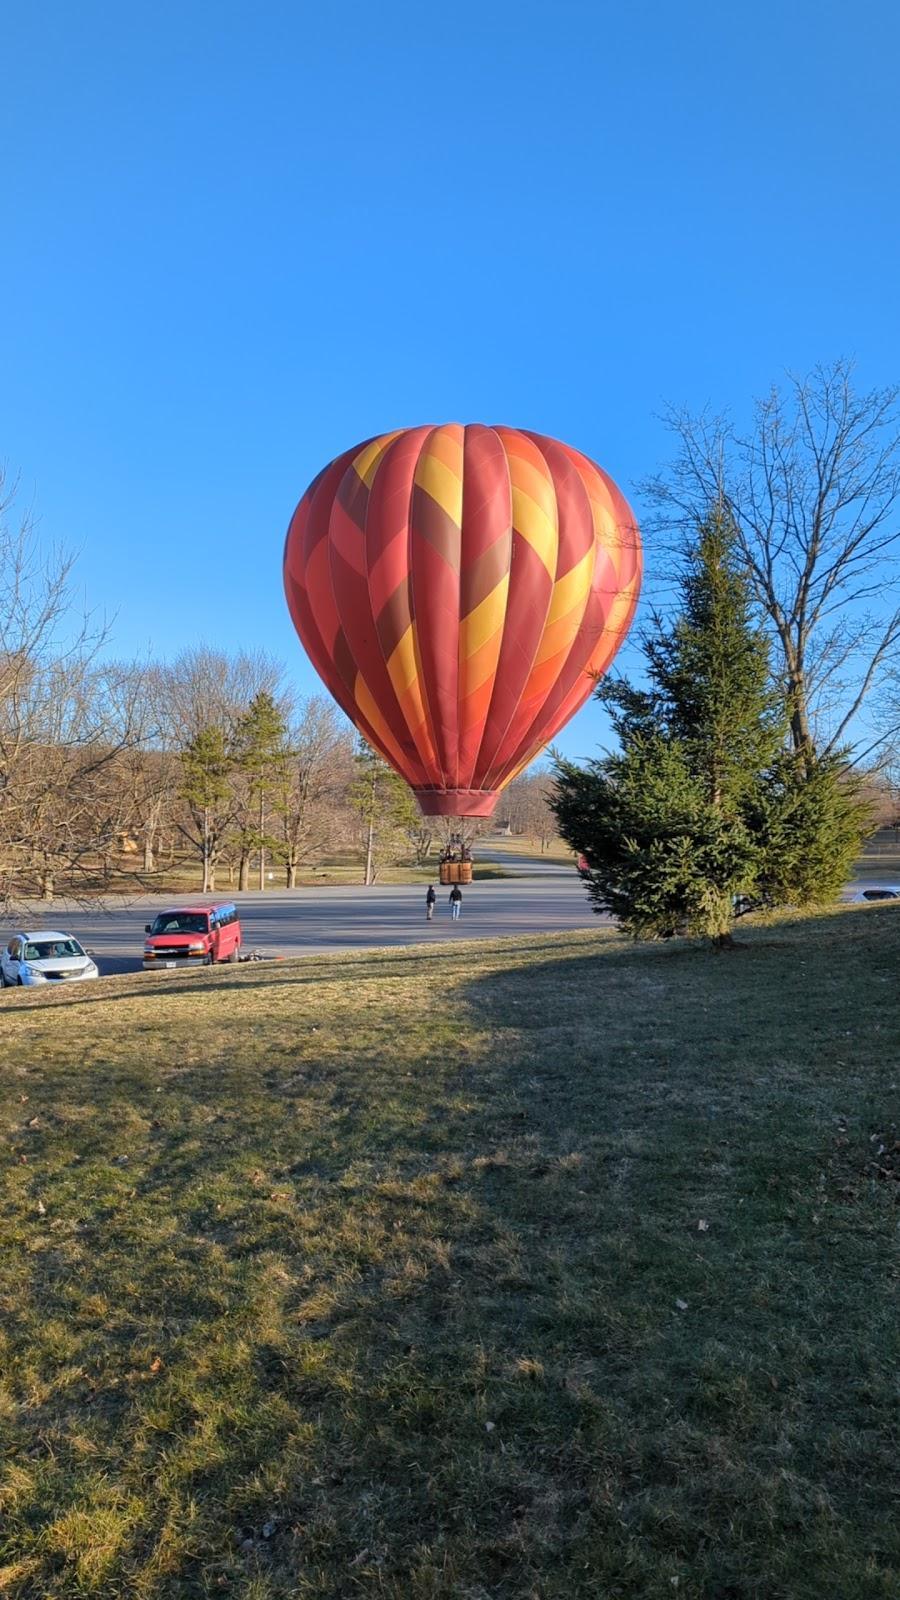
[(237, 239)]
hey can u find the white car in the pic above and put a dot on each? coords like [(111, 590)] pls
[(871, 892), (33, 958)]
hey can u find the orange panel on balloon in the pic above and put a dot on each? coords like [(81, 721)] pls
[(456, 589)]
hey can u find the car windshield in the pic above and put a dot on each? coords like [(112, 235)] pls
[(180, 922), (52, 949)]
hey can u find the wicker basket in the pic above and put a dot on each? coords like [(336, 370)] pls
[(456, 872)]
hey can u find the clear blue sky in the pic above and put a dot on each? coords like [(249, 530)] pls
[(237, 238)]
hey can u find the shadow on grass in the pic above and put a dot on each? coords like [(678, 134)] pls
[(444, 1271)]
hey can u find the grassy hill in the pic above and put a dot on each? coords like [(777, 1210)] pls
[(553, 1268)]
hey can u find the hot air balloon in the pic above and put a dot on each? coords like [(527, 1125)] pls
[(458, 590)]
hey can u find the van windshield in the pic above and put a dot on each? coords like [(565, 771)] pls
[(180, 922)]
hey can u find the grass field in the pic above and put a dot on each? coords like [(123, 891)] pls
[(554, 1268), (184, 878)]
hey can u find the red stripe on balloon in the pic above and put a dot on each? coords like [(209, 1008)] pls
[(530, 588), (577, 541), (434, 559), (486, 551), (348, 570), (305, 577)]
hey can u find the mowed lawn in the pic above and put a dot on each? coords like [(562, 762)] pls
[(548, 1268)]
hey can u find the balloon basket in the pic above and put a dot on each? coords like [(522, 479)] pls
[(456, 872)]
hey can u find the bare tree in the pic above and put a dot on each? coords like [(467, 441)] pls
[(453, 830), (206, 688), (205, 695), (66, 719), (525, 806), (312, 798), (420, 834), (814, 490), (148, 770)]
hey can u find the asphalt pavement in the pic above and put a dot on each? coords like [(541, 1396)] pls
[(290, 922), (539, 897)]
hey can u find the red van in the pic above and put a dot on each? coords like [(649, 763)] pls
[(192, 936)]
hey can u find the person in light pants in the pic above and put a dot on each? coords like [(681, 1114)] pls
[(455, 902)]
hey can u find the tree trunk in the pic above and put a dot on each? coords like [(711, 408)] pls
[(149, 857), (801, 737), (370, 838), (800, 732), (206, 875), (290, 874), (46, 883), (244, 871), (262, 848)]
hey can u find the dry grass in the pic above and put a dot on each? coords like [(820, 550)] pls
[(553, 1268)]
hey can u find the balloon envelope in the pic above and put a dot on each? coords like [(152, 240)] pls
[(458, 590)]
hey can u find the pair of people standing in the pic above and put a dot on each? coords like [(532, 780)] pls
[(455, 902)]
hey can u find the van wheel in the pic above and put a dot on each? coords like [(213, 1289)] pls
[(209, 960), (235, 955), (19, 983)]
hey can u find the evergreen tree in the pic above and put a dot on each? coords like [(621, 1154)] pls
[(703, 809), (206, 787), (384, 804), (810, 815), (261, 755)]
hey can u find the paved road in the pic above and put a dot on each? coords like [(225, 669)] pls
[(292, 921), (542, 897)]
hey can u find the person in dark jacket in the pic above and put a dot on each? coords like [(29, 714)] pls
[(430, 899), (455, 902)]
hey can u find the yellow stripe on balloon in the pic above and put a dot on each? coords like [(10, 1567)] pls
[(534, 480), (484, 620), (402, 664), (369, 710), (442, 483), (557, 639), (447, 444), (540, 530), (480, 666), (405, 675), (366, 464), (572, 589), (616, 617)]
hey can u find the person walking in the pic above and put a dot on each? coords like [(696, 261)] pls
[(430, 899), (455, 902)]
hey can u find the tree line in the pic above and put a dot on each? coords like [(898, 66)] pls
[(110, 767)]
